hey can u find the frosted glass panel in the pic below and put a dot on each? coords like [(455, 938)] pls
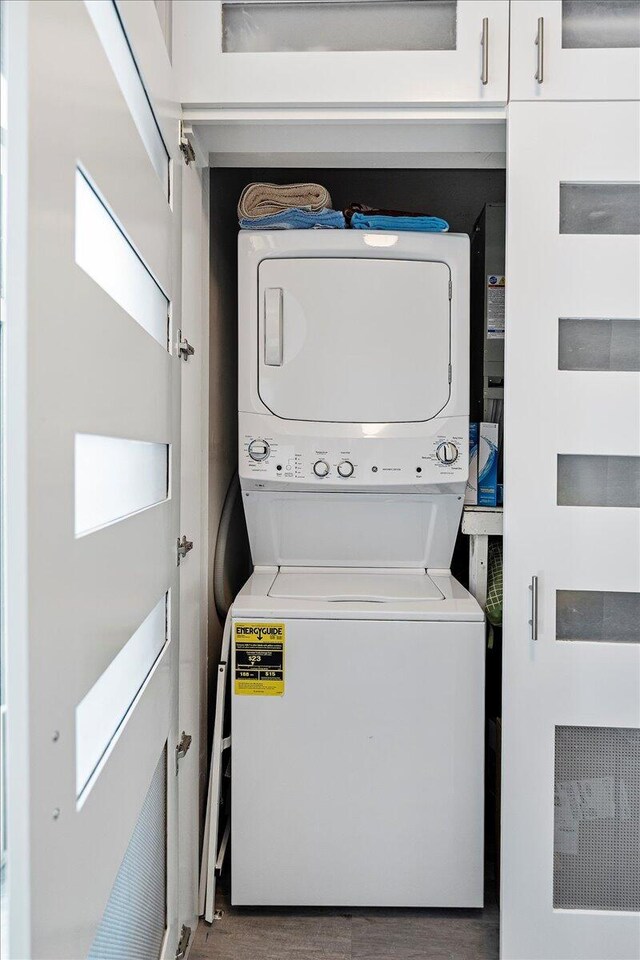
[(596, 24), (115, 478), (116, 46), (596, 862), (602, 616), (100, 713), (135, 918), (602, 208), (598, 481), (104, 252), (600, 343), (258, 27)]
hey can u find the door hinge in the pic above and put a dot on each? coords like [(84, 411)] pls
[(182, 748), (450, 289), (450, 374), (186, 146), (184, 546), (183, 943), (185, 350)]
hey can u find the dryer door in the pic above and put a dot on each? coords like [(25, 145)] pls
[(354, 340)]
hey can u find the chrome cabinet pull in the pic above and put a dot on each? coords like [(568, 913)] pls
[(533, 623), (540, 46), (485, 51)]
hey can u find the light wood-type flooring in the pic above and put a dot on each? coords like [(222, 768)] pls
[(278, 933)]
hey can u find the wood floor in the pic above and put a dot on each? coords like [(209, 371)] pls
[(358, 934)]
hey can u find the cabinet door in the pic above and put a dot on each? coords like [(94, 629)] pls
[(349, 52), (93, 478), (575, 50), (571, 704)]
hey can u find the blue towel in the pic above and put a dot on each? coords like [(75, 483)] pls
[(372, 221), (295, 218)]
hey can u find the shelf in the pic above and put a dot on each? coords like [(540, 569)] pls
[(478, 521), (409, 137)]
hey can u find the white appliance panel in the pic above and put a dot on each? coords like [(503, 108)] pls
[(352, 529), (255, 601), (369, 586), (363, 784), (390, 457), (354, 340)]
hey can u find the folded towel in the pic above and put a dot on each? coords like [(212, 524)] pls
[(396, 223), (361, 217), (296, 219), (266, 199)]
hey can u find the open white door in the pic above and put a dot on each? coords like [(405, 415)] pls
[(93, 458)]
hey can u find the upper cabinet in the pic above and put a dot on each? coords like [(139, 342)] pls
[(575, 50), (297, 53)]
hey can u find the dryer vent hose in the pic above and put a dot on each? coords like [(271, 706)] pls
[(232, 558)]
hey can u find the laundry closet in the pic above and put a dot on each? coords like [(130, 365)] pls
[(285, 707)]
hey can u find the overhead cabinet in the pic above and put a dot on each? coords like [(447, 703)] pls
[(342, 52), (575, 50)]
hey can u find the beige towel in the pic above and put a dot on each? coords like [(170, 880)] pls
[(265, 199)]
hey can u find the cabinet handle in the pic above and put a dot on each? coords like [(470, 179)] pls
[(485, 51), (533, 586), (540, 46)]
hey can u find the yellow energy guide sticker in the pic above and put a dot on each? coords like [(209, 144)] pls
[(259, 659)]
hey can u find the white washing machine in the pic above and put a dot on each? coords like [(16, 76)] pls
[(358, 660)]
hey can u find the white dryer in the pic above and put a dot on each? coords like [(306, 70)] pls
[(358, 661)]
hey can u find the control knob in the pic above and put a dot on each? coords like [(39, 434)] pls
[(345, 469), (321, 468), (447, 452), (259, 450)]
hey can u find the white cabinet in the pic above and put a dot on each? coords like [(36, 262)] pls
[(342, 52), (571, 706), (575, 50)]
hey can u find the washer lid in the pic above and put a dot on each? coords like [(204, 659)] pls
[(372, 586), (346, 340)]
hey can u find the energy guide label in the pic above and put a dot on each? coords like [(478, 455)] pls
[(259, 659)]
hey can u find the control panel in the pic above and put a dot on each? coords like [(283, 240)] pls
[(366, 461)]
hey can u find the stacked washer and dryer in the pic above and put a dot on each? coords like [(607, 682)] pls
[(358, 660)]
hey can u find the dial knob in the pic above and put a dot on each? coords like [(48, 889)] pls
[(345, 469), (321, 468), (447, 452), (259, 450)]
